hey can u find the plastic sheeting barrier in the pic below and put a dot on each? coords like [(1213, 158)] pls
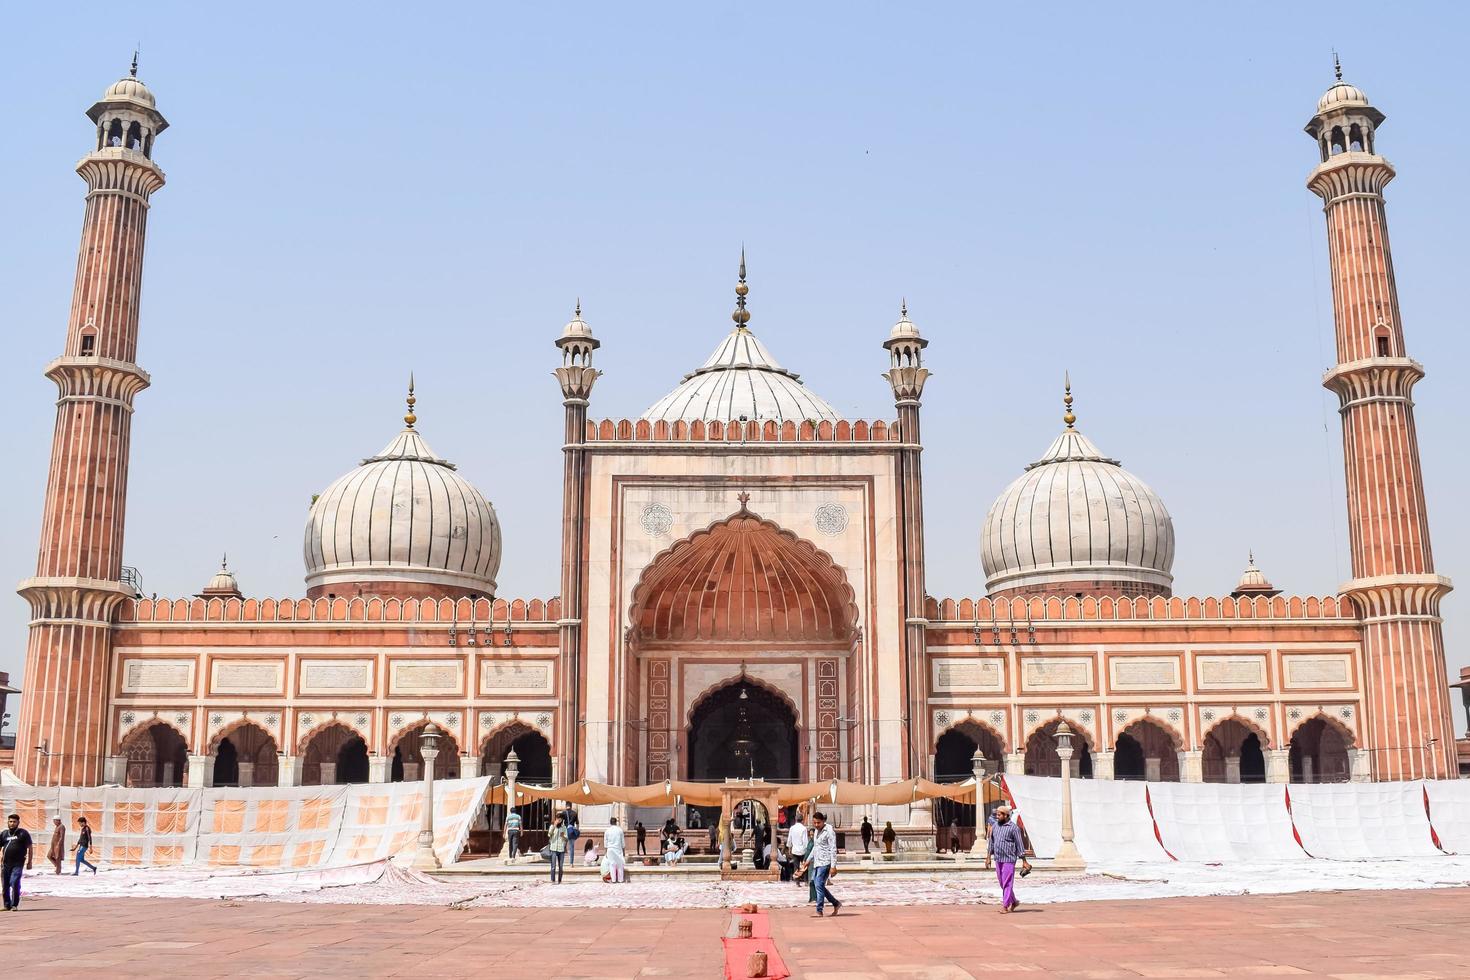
[(1449, 812), (1224, 822), (1360, 821), (302, 827), (1108, 817)]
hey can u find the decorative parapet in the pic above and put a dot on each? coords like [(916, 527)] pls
[(1053, 609), (358, 609), (715, 430)]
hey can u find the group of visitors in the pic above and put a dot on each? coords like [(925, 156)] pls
[(17, 853), (561, 841)]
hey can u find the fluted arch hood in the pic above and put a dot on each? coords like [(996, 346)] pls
[(1075, 515), (404, 517)]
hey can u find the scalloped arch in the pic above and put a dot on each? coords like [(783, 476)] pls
[(1335, 723), (743, 578), (959, 725), (235, 726), (720, 685), (1246, 723)]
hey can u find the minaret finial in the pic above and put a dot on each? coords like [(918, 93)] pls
[(1068, 418), (577, 315), (903, 308), (133, 71), (741, 316), (410, 418), (1336, 65), (1250, 556), (224, 562)]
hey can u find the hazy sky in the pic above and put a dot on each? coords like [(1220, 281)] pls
[(354, 192)]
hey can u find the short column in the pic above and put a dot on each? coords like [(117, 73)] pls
[(1278, 765), (247, 774), (469, 767), (379, 767), (1016, 763), (1153, 769), (1362, 769), (411, 772), (1232, 768), (201, 771), (1191, 766), (288, 770), (1102, 765), (115, 770), (329, 774)]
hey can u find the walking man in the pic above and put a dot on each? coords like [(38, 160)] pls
[(513, 831), (15, 846), (798, 842), (823, 861), (642, 834), (866, 830), (1008, 850), (56, 853), (556, 847), (84, 844)]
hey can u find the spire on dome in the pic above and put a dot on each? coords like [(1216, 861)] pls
[(1336, 65), (1070, 418), (1253, 581), (410, 418), (741, 316), (223, 585), (133, 71)]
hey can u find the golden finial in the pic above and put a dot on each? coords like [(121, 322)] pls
[(1068, 418), (741, 315), (410, 418)]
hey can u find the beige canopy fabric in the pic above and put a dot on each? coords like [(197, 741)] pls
[(669, 793)]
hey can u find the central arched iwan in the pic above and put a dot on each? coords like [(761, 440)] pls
[(744, 579)]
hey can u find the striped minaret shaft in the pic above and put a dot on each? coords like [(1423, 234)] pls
[(62, 731), (1408, 730)]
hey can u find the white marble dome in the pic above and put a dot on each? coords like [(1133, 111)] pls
[(404, 517), (1341, 96), (1076, 516), (741, 380), (129, 89)]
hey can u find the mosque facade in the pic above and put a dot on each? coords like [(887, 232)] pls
[(743, 580)]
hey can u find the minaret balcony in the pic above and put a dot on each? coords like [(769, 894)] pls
[(1374, 379), (96, 378)]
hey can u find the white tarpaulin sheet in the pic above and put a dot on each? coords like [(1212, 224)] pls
[(1225, 821), (1110, 818), (286, 828), (1361, 821), (1449, 811)]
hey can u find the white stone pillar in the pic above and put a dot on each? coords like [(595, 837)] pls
[(1067, 857), (1016, 763), (1278, 765), (977, 773), (1192, 766), (329, 774), (247, 774), (1232, 768), (469, 766), (424, 858), (1153, 769), (512, 770), (1102, 765), (288, 770), (115, 770), (379, 768), (1362, 769), (1308, 767)]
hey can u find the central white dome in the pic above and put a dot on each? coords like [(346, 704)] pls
[(1077, 517), (741, 380), (401, 520)]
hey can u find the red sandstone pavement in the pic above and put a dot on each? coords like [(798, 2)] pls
[(1353, 935)]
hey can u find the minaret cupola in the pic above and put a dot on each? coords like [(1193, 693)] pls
[(127, 115), (1345, 121)]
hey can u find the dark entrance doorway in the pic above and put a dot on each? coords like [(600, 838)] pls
[(954, 753), (741, 731)]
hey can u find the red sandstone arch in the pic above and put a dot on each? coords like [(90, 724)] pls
[(964, 725), (1253, 727), (698, 700), (743, 579), (1349, 737)]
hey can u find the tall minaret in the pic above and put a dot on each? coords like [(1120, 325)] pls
[(1394, 587), (576, 377), (907, 374), (61, 737)]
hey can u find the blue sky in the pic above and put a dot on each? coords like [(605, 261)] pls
[(356, 191)]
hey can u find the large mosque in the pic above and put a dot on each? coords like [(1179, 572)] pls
[(743, 580)]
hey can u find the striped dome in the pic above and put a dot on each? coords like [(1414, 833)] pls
[(1076, 516), (403, 517), (741, 380)]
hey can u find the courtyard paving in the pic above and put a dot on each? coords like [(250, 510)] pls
[(1352, 936)]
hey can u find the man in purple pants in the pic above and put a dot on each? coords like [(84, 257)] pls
[(1008, 850)]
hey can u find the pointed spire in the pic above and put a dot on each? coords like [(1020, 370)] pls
[(1069, 417), (133, 71), (903, 308), (224, 562), (1336, 65), (577, 313), (410, 418), (741, 316)]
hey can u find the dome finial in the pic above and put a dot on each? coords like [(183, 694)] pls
[(903, 308), (224, 562), (741, 316), (1336, 65), (577, 313), (410, 418), (133, 71), (1068, 418)]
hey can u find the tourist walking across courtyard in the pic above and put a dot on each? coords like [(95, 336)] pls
[(1008, 850), (889, 836), (556, 847), (56, 853), (84, 844), (16, 857), (866, 831), (823, 861), (641, 832), (799, 843), (614, 861)]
